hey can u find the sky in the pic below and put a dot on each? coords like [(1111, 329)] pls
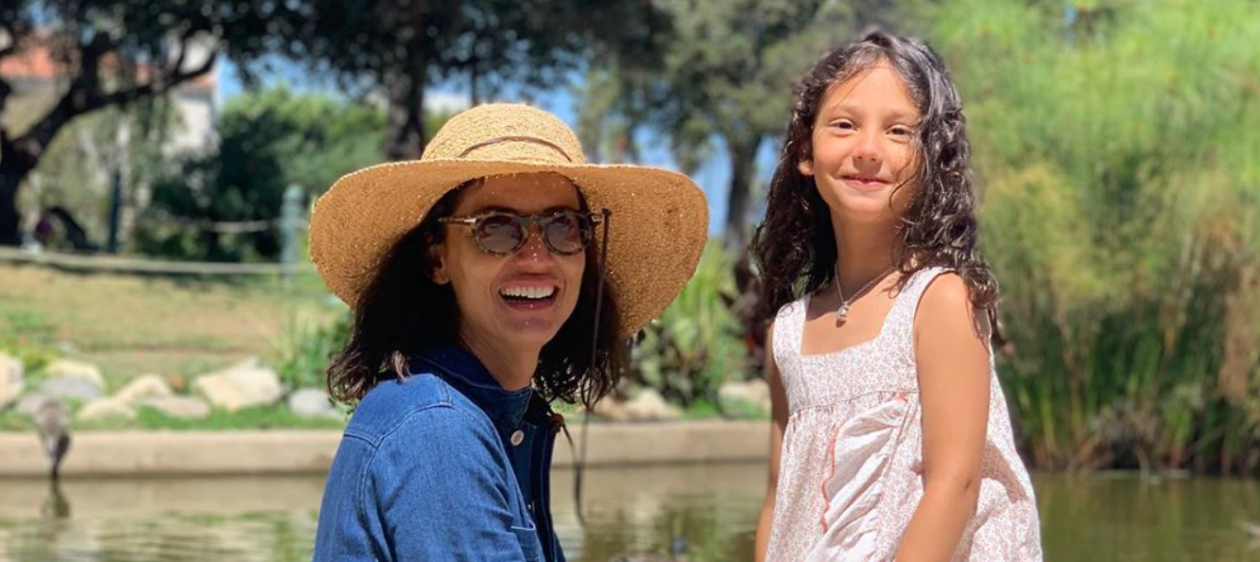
[(713, 176)]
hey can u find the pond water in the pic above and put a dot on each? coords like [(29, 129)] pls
[(708, 512)]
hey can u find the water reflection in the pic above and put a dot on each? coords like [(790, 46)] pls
[(1122, 518), (55, 504), (697, 514)]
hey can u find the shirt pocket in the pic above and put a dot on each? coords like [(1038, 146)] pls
[(528, 539)]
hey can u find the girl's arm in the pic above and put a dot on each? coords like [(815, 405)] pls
[(778, 421), (953, 368)]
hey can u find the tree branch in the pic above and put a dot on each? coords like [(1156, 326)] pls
[(85, 96), (165, 82), (5, 91)]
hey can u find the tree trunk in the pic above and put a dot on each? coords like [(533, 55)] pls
[(404, 135), (9, 218), (742, 154), (15, 165)]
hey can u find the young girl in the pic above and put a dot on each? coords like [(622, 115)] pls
[(891, 438)]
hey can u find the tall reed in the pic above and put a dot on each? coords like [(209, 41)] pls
[(1120, 170)]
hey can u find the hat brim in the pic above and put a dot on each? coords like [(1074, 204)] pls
[(658, 228)]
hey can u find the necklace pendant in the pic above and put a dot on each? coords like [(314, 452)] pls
[(842, 314)]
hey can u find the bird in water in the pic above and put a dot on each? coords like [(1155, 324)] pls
[(52, 420), (1253, 531)]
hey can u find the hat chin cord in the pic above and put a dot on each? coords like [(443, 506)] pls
[(580, 454)]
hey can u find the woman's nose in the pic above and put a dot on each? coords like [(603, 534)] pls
[(534, 249)]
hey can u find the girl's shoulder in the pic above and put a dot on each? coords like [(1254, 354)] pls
[(944, 287), (945, 306)]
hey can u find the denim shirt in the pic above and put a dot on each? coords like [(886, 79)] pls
[(443, 465)]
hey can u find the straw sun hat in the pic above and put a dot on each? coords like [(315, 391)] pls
[(657, 230)]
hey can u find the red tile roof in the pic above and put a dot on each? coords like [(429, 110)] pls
[(36, 61)]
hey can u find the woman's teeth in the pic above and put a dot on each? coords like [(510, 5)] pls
[(528, 292)]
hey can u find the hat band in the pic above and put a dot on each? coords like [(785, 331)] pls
[(497, 140)]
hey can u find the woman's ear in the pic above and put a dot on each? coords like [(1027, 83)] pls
[(437, 261)]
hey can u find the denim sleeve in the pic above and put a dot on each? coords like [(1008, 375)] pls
[(346, 531), (435, 488)]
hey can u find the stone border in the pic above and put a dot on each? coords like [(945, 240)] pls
[(177, 453)]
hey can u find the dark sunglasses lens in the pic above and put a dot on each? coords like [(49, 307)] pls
[(500, 234), (567, 233)]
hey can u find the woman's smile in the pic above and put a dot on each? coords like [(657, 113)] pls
[(530, 293)]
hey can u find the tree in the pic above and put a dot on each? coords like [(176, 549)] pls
[(113, 53), (725, 80), (402, 46), (269, 139)]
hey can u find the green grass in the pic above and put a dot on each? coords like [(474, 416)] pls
[(133, 325)]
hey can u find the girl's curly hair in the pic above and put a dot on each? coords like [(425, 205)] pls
[(794, 247)]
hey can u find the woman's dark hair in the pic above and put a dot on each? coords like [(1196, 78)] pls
[(794, 246), (402, 312)]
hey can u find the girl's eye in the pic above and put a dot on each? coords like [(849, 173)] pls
[(900, 131), (843, 125)]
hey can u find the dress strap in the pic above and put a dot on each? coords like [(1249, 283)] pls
[(789, 326), (901, 318)]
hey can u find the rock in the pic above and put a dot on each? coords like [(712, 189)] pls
[(106, 408), (182, 407), (752, 391), (648, 405), (240, 386), (30, 403), (66, 368), (72, 388), (11, 381), (142, 387), (312, 403), (612, 410)]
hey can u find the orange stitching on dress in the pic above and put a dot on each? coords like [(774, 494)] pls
[(831, 474)]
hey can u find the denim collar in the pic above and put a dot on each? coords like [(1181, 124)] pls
[(463, 370)]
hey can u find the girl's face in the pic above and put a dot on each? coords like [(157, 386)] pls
[(864, 147), (521, 299)]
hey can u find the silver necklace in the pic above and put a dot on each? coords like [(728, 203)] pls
[(842, 313)]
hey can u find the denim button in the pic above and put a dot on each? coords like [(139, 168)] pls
[(517, 437)]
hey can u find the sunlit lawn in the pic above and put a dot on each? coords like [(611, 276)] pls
[(131, 325)]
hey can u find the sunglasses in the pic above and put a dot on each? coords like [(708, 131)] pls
[(502, 233)]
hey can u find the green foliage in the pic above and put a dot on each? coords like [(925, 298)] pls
[(247, 419), (1121, 181), (29, 337), (268, 140), (695, 346), (398, 49), (723, 85), (301, 356)]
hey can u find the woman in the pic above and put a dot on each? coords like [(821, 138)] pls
[(477, 276)]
